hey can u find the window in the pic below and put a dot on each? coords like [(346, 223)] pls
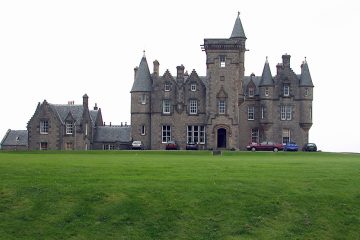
[(166, 133), (193, 87), (267, 92), (306, 92), (43, 146), (69, 127), (69, 146), (286, 90), (222, 61), (255, 135), (286, 113), (143, 99), (193, 106), (251, 113), (86, 129), (44, 127), (166, 106), (222, 78), (167, 87), (196, 134), (109, 147), (222, 107), (143, 132), (251, 91), (262, 112), (285, 136)]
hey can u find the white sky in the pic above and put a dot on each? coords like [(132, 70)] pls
[(59, 50)]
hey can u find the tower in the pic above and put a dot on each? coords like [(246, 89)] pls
[(141, 104), (225, 73)]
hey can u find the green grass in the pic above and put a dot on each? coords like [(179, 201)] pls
[(179, 195)]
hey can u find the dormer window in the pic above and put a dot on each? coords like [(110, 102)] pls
[(69, 127), (193, 87), (251, 91), (167, 87), (222, 61), (286, 90)]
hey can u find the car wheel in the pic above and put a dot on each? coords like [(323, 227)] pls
[(253, 149), (276, 149)]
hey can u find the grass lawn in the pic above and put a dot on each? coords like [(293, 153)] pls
[(179, 195)]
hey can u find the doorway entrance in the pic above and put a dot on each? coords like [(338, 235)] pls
[(221, 138)]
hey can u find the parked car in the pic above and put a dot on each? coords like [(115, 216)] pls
[(310, 147), (265, 146), (137, 145), (171, 145), (291, 146), (191, 146)]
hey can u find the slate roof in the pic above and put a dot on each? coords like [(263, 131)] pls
[(113, 134), (15, 138), (305, 77), (93, 116), (142, 81), (63, 110), (238, 30), (266, 77), (255, 79)]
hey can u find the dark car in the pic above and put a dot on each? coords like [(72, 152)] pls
[(310, 147), (171, 145), (291, 146), (191, 146), (265, 146)]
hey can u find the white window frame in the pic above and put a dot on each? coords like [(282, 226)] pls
[(69, 127), (166, 106), (193, 87), (222, 106), (165, 133), (167, 87), (193, 106), (86, 129), (262, 112), (251, 92), (196, 133), (251, 113), (44, 127), (286, 113), (286, 136), (255, 135), (286, 89), (143, 99), (222, 59)]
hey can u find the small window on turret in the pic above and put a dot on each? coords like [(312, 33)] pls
[(306, 92), (267, 92), (143, 99), (222, 61), (286, 90)]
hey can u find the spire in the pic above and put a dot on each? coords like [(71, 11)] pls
[(238, 30), (142, 82), (266, 77), (305, 77)]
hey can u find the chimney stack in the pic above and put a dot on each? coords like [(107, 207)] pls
[(279, 66), (95, 107), (180, 72), (286, 60), (85, 101), (156, 68)]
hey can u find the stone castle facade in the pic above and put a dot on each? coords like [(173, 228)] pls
[(224, 109)]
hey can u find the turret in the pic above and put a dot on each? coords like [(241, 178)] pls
[(266, 86), (306, 96)]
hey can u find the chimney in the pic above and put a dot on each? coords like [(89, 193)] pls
[(110, 124), (85, 101), (286, 60), (71, 102), (104, 124), (180, 72), (125, 123), (135, 71), (121, 124), (156, 68), (95, 107)]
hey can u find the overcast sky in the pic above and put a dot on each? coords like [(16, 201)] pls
[(59, 50)]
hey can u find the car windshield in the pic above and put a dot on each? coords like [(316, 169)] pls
[(136, 142)]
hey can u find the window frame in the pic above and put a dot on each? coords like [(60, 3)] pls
[(69, 127), (44, 127), (143, 130), (165, 133), (166, 108), (221, 106), (195, 133), (286, 113), (267, 92), (193, 87), (255, 135), (222, 59), (193, 107), (286, 90), (251, 91), (286, 135), (251, 113), (167, 87)]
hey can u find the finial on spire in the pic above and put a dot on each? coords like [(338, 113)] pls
[(238, 13), (144, 53), (266, 61), (305, 60)]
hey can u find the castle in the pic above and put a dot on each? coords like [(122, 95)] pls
[(223, 110)]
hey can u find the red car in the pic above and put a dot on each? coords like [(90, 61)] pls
[(265, 146), (171, 145)]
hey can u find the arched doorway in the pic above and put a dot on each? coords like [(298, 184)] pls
[(221, 138)]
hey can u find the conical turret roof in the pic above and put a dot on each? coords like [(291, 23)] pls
[(266, 77), (142, 82), (305, 77), (238, 30)]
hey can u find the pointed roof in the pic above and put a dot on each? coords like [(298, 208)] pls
[(238, 30), (142, 82), (266, 77), (305, 77)]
